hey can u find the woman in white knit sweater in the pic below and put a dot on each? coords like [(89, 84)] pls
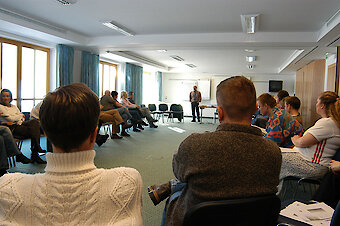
[(72, 191)]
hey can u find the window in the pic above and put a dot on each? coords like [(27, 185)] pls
[(107, 77), (150, 88), (24, 71)]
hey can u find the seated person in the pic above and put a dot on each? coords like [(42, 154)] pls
[(114, 117), (318, 144), (292, 106), (280, 98), (8, 148), (136, 117), (281, 126), (258, 119), (145, 111), (72, 191), (223, 164), (19, 127), (109, 103)]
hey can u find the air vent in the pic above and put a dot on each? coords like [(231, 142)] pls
[(191, 65), (67, 2), (177, 58)]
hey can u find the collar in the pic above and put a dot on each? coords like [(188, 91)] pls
[(70, 162), (239, 128)]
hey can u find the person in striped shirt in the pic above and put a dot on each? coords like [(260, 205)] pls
[(315, 149)]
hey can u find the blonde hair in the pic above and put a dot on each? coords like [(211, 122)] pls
[(332, 103), (123, 94)]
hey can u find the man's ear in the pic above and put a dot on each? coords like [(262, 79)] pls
[(220, 112), (93, 135)]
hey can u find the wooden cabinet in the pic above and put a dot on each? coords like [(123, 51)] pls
[(309, 84)]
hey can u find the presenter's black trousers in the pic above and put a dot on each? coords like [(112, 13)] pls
[(194, 107)]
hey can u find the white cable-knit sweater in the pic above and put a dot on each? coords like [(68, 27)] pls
[(72, 191)]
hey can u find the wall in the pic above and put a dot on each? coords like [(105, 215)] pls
[(331, 60), (171, 92)]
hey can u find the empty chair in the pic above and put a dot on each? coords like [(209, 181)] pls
[(263, 210), (176, 111), (163, 110)]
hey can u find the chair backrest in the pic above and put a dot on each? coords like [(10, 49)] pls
[(152, 107), (163, 107), (176, 107), (263, 210)]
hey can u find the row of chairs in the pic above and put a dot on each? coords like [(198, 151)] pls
[(176, 111)]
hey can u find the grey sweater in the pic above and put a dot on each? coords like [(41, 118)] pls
[(235, 161)]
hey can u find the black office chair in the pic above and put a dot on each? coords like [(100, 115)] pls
[(263, 210), (152, 109)]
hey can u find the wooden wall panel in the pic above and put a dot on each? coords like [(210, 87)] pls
[(331, 71)]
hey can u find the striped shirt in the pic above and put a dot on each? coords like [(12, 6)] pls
[(327, 133)]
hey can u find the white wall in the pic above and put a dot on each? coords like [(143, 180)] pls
[(171, 92)]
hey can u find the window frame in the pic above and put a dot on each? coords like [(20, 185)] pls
[(19, 67), (101, 64)]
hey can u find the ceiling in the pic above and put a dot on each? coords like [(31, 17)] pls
[(205, 33)]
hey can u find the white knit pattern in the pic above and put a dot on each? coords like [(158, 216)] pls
[(88, 196)]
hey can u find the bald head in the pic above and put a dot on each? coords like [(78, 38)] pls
[(107, 93), (237, 97)]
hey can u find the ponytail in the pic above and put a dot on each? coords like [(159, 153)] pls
[(332, 103), (334, 111)]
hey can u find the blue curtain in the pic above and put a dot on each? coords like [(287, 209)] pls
[(134, 81), (90, 71), (65, 57), (160, 87)]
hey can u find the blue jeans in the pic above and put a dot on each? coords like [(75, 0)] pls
[(176, 190), (336, 216)]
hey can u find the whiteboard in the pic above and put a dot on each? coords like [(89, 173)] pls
[(204, 87)]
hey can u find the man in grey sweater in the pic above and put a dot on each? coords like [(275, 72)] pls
[(235, 161)]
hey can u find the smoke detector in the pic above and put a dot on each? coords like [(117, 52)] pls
[(67, 2)]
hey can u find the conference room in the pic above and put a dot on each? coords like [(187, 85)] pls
[(160, 51)]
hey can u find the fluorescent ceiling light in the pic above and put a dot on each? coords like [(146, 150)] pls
[(67, 2), (178, 58), (162, 50), (250, 23), (250, 58), (191, 65), (118, 28)]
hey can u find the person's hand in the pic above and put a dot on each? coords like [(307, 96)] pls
[(10, 123), (295, 138), (334, 166)]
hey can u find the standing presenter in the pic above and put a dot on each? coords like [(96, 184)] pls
[(195, 99)]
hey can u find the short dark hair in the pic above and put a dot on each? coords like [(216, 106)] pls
[(282, 94), (114, 93), (6, 91), (237, 96), (294, 102), (268, 99), (131, 92), (69, 115)]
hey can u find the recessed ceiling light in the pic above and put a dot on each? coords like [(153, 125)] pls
[(67, 2), (250, 23), (250, 58), (118, 28), (250, 50), (162, 50)]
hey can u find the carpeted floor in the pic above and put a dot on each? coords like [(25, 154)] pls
[(150, 152)]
